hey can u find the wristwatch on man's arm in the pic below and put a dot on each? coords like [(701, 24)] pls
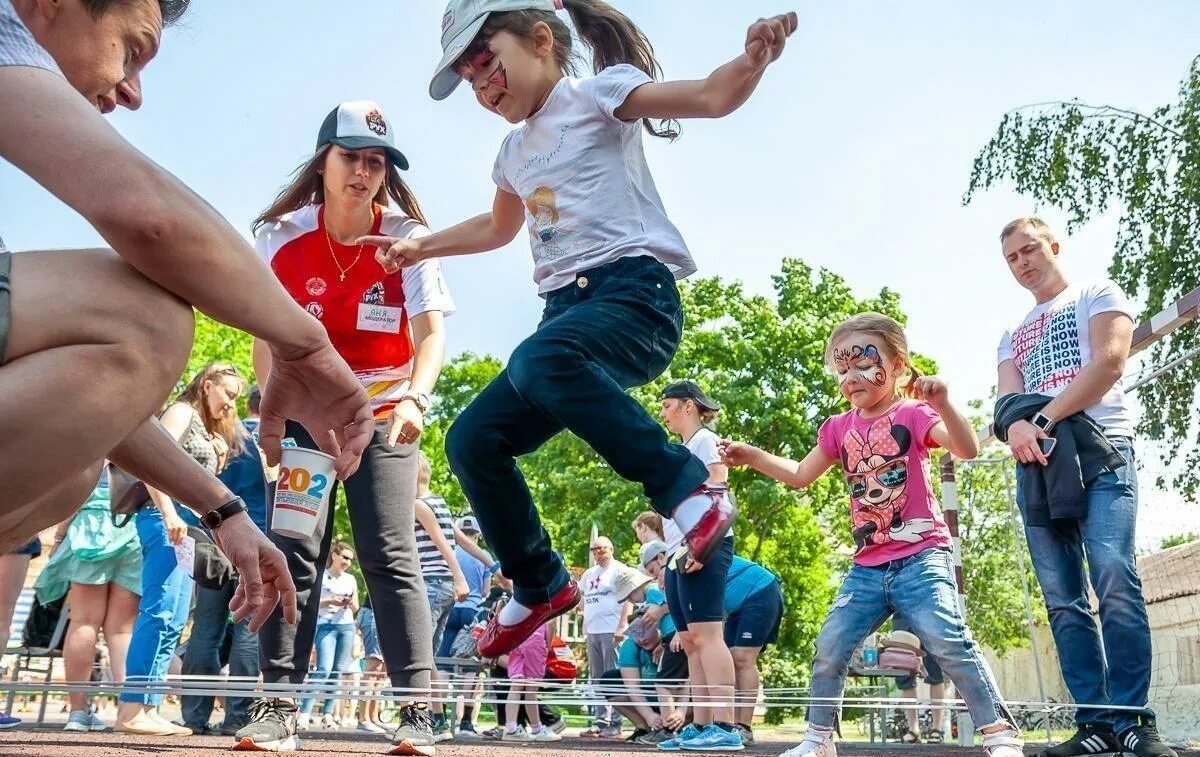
[(214, 518), (1042, 422)]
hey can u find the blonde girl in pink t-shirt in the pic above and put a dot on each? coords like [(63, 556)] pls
[(902, 562)]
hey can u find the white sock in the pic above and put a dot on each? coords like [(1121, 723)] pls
[(688, 513), (818, 734), (513, 613), (536, 729), (510, 728)]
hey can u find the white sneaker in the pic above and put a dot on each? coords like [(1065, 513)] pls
[(545, 734), (303, 722), (815, 744), (518, 735), (96, 723), (329, 723), (1006, 743)]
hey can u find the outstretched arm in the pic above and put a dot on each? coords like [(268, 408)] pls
[(798, 474), (482, 233), (725, 89)]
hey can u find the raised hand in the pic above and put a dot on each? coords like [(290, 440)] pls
[(932, 390), (319, 391), (767, 36)]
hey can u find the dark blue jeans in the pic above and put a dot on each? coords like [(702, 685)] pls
[(1105, 543), (210, 623), (617, 327)]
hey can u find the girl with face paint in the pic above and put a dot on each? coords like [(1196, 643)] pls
[(606, 258), (902, 562)]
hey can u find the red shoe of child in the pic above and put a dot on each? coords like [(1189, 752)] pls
[(706, 536), (498, 639)]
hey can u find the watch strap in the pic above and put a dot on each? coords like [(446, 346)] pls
[(215, 518)]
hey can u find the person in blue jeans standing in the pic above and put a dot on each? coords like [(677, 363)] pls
[(335, 632), (1071, 350), (246, 478), (204, 421)]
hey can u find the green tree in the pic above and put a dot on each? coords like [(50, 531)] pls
[(1175, 540), (1088, 159)]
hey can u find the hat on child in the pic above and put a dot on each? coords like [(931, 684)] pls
[(628, 581), (651, 550), (468, 523), (461, 24)]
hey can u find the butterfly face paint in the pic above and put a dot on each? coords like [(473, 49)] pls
[(865, 362)]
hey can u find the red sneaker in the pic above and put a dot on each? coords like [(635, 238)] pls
[(705, 537), (499, 639)]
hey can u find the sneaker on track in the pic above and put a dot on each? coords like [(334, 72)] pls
[(1089, 739), (272, 728), (1143, 740), (414, 734)]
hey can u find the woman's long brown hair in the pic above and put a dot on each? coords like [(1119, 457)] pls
[(308, 188), (228, 427)]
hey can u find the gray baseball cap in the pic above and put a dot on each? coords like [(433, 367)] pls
[(468, 523), (460, 25)]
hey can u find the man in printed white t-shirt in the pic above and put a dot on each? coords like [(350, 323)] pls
[(604, 618), (1072, 347)]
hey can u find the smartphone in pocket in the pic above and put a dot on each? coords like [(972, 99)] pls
[(1047, 445)]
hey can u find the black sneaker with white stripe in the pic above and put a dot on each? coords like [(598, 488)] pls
[(1088, 739), (1143, 740)]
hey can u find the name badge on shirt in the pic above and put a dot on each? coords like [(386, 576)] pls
[(382, 318)]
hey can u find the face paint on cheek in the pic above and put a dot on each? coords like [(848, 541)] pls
[(500, 76), (875, 374)]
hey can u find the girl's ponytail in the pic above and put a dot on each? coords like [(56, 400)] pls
[(614, 39)]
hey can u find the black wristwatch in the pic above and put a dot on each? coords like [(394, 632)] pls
[(1042, 421), (214, 518)]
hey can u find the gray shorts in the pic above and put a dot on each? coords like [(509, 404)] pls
[(5, 300)]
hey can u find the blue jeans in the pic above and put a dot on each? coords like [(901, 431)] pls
[(1105, 541), (162, 612), (922, 589), (616, 327), (335, 650), (210, 623)]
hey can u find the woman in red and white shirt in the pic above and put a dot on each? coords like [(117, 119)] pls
[(388, 327)]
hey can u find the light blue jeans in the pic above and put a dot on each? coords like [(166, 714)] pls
[(335, 653), (1105, 542), (922, 589), (162, 611)]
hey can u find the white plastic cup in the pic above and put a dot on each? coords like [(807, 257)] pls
[(302, 492)]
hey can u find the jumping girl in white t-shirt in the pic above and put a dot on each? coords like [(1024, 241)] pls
[(606, 259)]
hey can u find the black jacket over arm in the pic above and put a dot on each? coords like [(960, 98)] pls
[(1058, 490)]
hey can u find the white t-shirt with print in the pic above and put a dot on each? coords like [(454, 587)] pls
[(582, 176), (601, 610), (703, 445), (343, 586), (1053, 344)]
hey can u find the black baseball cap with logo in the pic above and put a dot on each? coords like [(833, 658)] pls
[(688, 390), (359, 124)]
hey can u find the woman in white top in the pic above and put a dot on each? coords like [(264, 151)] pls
[(695, 592), (335, 628)]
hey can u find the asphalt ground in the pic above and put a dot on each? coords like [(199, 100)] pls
[(47, 742)]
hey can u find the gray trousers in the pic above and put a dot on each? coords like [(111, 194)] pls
[(602, 657), (380, 496)]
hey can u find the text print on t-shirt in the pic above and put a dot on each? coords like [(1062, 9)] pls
[(877, 473), (1046, 349)]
